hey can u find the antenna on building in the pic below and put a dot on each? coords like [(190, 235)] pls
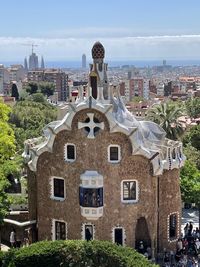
[(32, 45)]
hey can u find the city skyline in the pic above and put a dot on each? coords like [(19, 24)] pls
[(130, 30)]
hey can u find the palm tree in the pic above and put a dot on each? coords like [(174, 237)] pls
[(166, 115)]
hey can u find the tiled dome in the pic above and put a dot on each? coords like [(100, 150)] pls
[(98, 51)]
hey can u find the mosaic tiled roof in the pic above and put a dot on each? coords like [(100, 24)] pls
[(98, 51)]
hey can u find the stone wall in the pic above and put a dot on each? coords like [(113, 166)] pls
[(32, 194), (170, 202), (91, 154)]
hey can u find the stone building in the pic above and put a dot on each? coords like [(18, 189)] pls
[(100, 174), (56, 76)]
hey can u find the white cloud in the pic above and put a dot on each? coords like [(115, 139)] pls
[(91, 32), (126, 47)]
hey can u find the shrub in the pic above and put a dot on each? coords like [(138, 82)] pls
[(77, 253), (1, 257)]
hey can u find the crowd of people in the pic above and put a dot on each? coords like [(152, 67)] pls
[(187, 253), (187, 249)]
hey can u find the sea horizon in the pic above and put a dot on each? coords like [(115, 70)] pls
[(75, 64)]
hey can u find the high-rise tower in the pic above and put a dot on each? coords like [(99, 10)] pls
[(25, 64), (42, 63), (83, 61)]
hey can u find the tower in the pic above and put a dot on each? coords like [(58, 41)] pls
[(33, 61), (83, 61), (164, 62), (42, 63), (98, 71), (25, 64)]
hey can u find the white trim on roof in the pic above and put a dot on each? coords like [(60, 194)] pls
[(21, 224)]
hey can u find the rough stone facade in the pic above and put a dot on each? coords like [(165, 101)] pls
[(91, 154)]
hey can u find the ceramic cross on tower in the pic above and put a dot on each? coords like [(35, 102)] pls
[(91, 125)]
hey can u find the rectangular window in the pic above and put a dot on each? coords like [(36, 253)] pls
[(173, 226), (129, 190), (89, 232), (58, 188), (118, 236), (70, 152), (91, 197), (114, 153), (60, 230), (93, 82)]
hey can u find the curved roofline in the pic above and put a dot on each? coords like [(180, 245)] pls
[(160, 155)]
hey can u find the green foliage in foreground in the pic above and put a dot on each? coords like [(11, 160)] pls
[(7, 151), (190, 183), (29, 118), (73, 253)]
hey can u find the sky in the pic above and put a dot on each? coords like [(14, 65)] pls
[(129, 29)]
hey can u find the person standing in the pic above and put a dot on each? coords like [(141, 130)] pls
[(88, 235), (190, 229), (12, 238), (141, 248), (197, 242), (186, 228), (179, 245)]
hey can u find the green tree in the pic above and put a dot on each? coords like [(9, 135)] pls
[(7, 138), (193, 107), (14, 91), (37, 97), (190, 184), (7, 141), (192, 154), (29, 118), (47, 88), (4, 111), (7, 151), (166, 115), (23, 94), (4, 199), (193, 137), (32, 88)]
